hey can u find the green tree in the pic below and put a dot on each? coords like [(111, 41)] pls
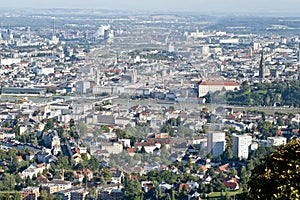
[(277, 177), (106, 174), (133, 190)]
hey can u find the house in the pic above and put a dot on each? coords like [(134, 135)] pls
[(193, 184), (223, 168), (182, 186), (194, 196), (130, 151), (164, 186), (231, 185), (149, 146), (33, 170), (41, 179), (152, 166), (19, 158), (191, 149), (116, 175), (147, 185)]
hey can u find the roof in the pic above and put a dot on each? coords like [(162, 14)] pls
[(223, 167), (230, 83), (183, 185), (130, 150), (231, 184)]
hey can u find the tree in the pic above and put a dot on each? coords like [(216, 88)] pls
[(133, 190), (106, 174), (143, 150), (277, 177), (93, 193)]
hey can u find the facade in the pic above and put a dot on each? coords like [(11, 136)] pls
[(56, 186), (112, 148), (114, 194), (276, 141), (205, 87), (216, 143), (78, 195), (30, 193), (14, 91), (241, 146)]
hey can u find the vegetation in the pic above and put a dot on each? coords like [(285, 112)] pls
[(277, 93), (277, 177)]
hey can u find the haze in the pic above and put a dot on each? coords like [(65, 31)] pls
[(222, 6)]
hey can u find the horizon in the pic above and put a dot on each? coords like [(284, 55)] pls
[(239, 7)]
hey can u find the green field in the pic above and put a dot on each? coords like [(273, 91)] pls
[(217, 195)]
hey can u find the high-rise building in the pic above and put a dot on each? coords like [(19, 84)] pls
[(256, 46), (241, 145), (216, 143)]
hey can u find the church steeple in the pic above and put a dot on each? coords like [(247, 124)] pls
[(262, 67)]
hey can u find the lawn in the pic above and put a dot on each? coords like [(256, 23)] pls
[(217, 195)]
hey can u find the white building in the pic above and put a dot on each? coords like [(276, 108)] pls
[(10, 61), (229, 41), (112, 148), (43, 70), (256, 46), (216, 143), (241, 145), (276, 141), (205, 87), (204, 50)]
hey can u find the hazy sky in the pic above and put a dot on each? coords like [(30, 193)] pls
[(240, 6)]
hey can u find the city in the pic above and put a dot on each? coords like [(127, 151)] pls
[(110, 105)]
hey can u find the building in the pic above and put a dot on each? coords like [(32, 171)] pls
[(114, 194), (204, 50), (83, 87), (56, 186), (216, 143), (14, 91), (112, 147), (241, 145), (205, 87), (78, 195), (276, 141), (30, 193), (10, 61)]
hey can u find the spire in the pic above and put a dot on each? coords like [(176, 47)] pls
[(262, 70)]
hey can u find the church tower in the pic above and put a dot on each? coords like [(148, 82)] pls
[(262, 67)]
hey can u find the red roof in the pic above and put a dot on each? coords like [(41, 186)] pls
[(220, 83), (223, 167), (130, 150), (183, 185), (230, 185)]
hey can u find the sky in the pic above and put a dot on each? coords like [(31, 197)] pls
[(205, 6)]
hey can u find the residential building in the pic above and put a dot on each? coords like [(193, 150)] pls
[(30, 193), (276, 141), (216, 143), (241, 146)]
